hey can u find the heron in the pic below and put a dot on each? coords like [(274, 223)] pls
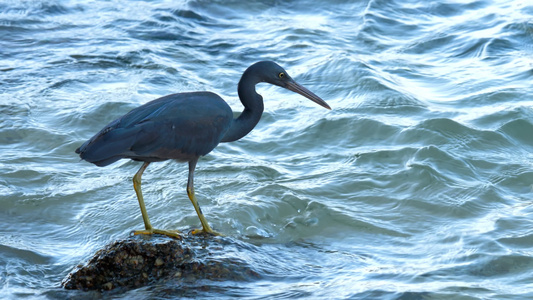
[(184, 127)]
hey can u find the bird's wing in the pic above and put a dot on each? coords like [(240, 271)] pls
[(184, 131), (178, 126)]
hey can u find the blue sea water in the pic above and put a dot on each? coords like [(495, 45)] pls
[(418, 184)]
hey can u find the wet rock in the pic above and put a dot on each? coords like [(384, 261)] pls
[(143, 260)]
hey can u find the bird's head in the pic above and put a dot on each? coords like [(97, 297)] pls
[(272, 73)]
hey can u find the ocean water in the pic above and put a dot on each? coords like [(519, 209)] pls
[(418, 184)]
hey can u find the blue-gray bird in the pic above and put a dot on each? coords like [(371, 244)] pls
[(184, 127)]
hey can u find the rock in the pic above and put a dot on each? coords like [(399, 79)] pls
[(143, 260)]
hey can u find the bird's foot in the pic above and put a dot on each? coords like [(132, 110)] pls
[(205, 232), (170, 233)]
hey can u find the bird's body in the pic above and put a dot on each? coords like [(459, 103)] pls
[(184, 127), (179, 126)]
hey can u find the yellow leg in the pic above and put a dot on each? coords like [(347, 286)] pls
[(190, 192), (138, 191), (148, 227)]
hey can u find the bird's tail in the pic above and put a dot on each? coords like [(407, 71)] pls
[(106, 147)]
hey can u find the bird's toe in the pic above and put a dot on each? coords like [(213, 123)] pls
[(170, 233), (205, 232)]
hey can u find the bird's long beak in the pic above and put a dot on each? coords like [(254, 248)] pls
[(297, 88)]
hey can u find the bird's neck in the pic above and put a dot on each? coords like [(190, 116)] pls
[(253, 109)]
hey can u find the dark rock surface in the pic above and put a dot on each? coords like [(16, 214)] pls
[(143, 260)]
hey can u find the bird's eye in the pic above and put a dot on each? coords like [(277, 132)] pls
[(281, 75)]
